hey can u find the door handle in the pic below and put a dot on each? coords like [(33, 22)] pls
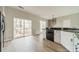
[(3, 24)]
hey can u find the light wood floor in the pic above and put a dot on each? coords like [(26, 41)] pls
[(32, 44)]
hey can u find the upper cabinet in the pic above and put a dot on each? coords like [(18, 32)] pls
[(52, 22), (68, 21)]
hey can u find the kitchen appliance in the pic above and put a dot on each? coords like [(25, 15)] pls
[(2, 30), (50, 34)]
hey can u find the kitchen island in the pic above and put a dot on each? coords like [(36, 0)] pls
[(68, 37)]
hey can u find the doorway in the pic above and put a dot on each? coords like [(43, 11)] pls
[(22, 27), (42, 26)]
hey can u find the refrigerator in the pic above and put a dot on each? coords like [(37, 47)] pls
[(2, 30)]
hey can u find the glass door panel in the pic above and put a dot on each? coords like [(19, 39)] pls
[(27, 27), (22, 27)]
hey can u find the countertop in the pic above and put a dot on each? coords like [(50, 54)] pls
[(76, 30)]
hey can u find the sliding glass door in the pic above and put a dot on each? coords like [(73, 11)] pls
[(22, 27), (27, 28)]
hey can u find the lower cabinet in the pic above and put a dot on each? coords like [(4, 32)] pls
[(76, 43), (57, 36), (67, 40)]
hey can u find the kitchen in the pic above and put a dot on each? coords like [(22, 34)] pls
[(66, 31)]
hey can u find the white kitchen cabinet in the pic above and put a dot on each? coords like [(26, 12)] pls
[(57, 36), (76, 45), (67, 40)]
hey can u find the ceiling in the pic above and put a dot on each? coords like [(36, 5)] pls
[(48, 12)]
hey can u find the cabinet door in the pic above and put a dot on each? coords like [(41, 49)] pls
[(76, 44), (57, 36), (67, 40)]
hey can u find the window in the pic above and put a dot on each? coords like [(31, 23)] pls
[(22, 27)]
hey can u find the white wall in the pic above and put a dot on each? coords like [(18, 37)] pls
[(11, 13), (0, 8), (74, 18)]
